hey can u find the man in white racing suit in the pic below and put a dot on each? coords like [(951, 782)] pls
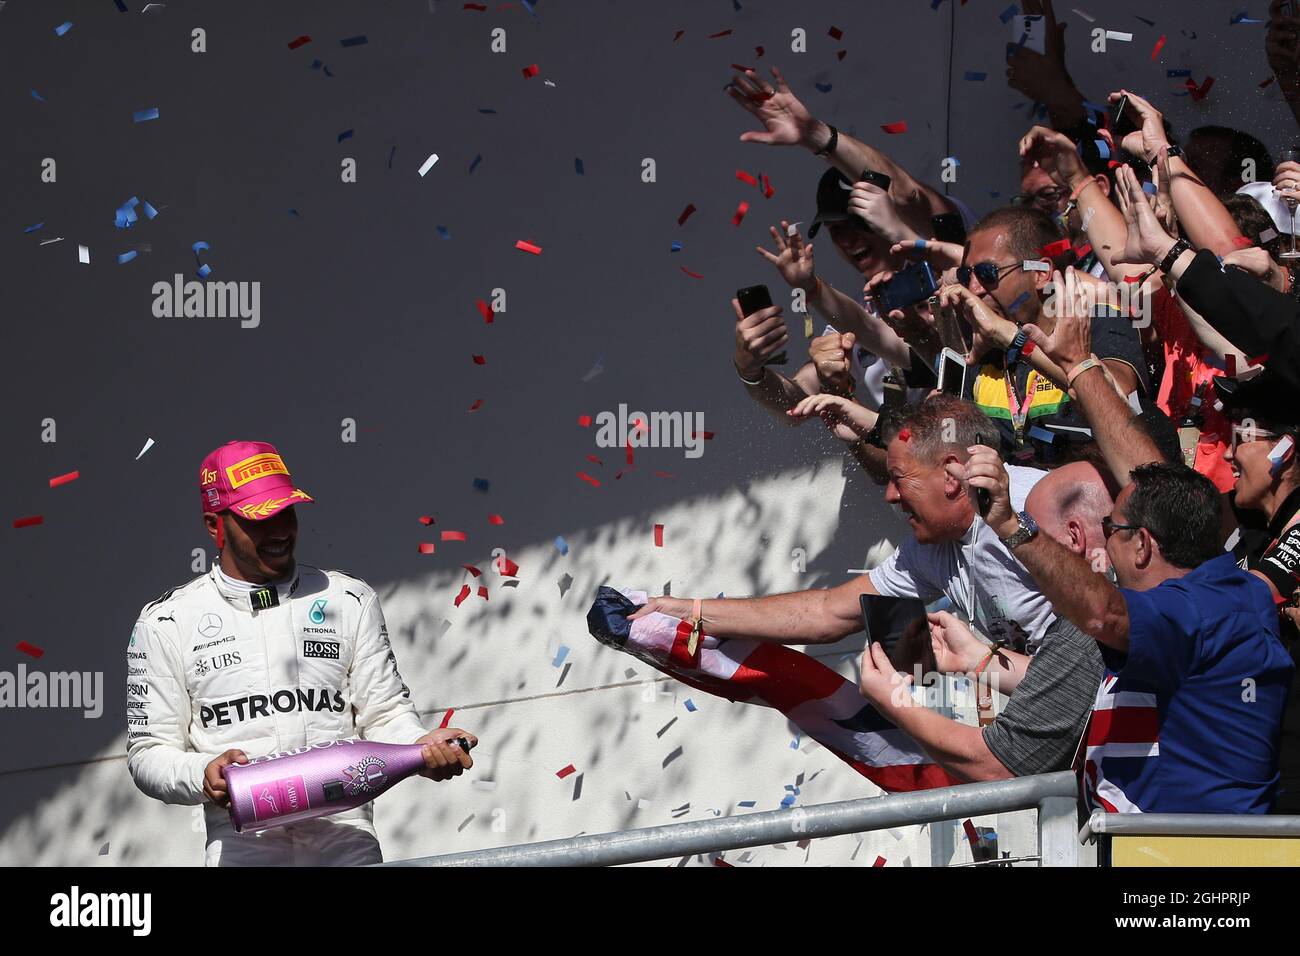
[(262, 655)]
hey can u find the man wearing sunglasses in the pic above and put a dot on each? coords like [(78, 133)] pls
[(1005, 279), (1040, 191)]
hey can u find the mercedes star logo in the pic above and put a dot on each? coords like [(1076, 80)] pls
[(210, 625)]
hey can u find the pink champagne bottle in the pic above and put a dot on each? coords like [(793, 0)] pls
[(316, 781)]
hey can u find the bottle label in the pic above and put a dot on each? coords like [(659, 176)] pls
[(275, 798)]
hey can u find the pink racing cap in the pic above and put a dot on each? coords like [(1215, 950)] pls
[(248, 477)]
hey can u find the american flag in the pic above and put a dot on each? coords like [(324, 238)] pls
[(824, 705)]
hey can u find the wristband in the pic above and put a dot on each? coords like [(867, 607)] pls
[(829, 148), (748, 382), (1090, 362), (1176, 250), (1081, 187)]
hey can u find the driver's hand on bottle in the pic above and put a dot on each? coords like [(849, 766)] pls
[(214, 777), (443, 757)]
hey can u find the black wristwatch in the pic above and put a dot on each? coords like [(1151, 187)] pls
[(1173, 151), (1176, 250), (829, 148)]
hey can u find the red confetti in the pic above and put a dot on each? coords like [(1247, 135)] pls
[(1028, 348), (584, 421), (1241, 242), (480, 7), (1199, 93), (530, 71), (620, 474), (758, 51), (528, 247), (905, 434), (745, 178), (836, 33), (1160, 45), (496, 519), (471, 569), (686, 214), (841, 54), (693, 275), (678, 35), (446, 718), (895, 128), (1083, 250), (477, 405), (705, 435), (631, 455), (64, 479), (768, 191), (571, 768), (479, 360), (1267, 82), (507, 568), (721, 862), (427, 547), (588, 479), (31, 649), (971, 835), (663, 474), (426, 519), (485, 310), (594, 460), (464, 593), (483, 593), (453, 536), (659, 536), (724, 33), (1054, 249), (739, 213), (29, 521), (301, 41), (880, 861)]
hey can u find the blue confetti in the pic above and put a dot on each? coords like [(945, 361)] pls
[(559, 658), (491, 111), (1020, 300), (1175, 73), (474, 165), (33, 228), (203, 271), (974, 77), (391, 153), (121, 6), (676, 247), (346, 134), (358, 40), (578, 167), (561, 545), (1042, 434), (294, 212), (1006, 15), (1150, 189), (690, 705), (143, 116), (788, 801), (481, 484), (125, 216), (62, 28), (794, 744), (823, 87), (952, 161), (316, 64), (443, 232), (747, 803), (1242, 17), (327, 71), (126, 257), (37, 96), (1102, 148), (149, 211), (1149, 23), (198, 246)]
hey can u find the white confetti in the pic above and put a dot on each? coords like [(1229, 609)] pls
[(1087, 16), (1118, 36), (147, 445), (428, 164), (83, 255)]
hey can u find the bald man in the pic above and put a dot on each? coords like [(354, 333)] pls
[(1051, 694)]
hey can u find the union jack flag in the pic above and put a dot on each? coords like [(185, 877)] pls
[(824, 705), (1122, 735)]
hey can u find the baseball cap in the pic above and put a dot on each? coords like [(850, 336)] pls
[(832, 200), (1264, 397), (248, 477)]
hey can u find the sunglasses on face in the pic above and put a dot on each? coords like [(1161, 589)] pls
[(1245, 434), (1044, 197), (989, 273), (1109, 527)]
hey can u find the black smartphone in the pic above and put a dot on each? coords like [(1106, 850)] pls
[(888, 620), (864, 602), (949, 227), (908, 287), (983, 499), (751, 299), (875, 178), (1121, 120)]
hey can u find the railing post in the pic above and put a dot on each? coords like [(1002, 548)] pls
[(1058, 832)]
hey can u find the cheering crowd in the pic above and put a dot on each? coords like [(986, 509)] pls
[(1086, 403)]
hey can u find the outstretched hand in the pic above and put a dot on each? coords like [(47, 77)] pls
[(786, 121)]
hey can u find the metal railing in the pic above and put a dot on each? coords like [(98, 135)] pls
[(1189, 824), (1053, 795)]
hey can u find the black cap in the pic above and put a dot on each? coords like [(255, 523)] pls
[(832, 200), (1266, 398)]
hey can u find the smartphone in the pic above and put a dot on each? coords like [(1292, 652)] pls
[(983, 498), (949, 325), (1030, 32), (952, 373), (751, 299), (864, 602), (887, 620), (875, 179), (1121, 120), (908, 287), (949, 227)]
